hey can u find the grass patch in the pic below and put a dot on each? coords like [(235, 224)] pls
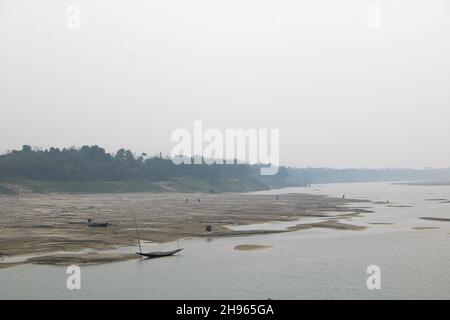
[(90, 186), (213, 186), (178, 184), (187, 185)]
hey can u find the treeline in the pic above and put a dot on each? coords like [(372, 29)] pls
[(93, 163), (329, 175)]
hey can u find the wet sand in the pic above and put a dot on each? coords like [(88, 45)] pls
[(435, 219), (51, 223), (251, 247), (81, 259), (331, 224), (381, 223), (424, 228)]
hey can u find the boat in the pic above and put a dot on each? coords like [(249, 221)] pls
[(153, 254), (159, 254), (97, 224)]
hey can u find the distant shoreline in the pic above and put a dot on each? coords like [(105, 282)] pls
[(183, 185), (424, 183)]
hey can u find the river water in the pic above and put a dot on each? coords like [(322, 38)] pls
[(309, 264)]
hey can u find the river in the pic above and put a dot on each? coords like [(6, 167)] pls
[(413, 256)]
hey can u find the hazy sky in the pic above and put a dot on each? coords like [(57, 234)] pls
[(344, 90)]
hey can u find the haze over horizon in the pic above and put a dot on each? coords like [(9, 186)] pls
[(342, 94)]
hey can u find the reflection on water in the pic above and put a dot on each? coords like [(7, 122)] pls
[(314, 263)]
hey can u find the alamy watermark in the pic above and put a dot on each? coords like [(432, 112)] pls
[(73, 20), (374, 280), (73, 281), (373, 21), (232, 146)]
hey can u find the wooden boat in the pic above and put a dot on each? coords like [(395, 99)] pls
[(153, 254), (97, 224), (158, 254)]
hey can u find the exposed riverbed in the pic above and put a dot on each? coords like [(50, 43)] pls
[(295, 257)]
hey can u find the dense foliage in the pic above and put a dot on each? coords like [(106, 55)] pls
[(90, 163), (93, 163)]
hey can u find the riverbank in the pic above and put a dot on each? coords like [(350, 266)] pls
[(184, 184), (52, 224)]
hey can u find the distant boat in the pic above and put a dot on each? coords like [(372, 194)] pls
[(96, 224), (153, 254)]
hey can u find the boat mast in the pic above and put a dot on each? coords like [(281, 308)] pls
[(137, 234)]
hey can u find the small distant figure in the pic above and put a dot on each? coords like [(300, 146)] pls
[(208, 228), (187, 200), (343, 196), (198, 199), (277, 197)]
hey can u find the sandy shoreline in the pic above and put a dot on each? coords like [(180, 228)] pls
[(251, 247), (435, 219), (37, 224)]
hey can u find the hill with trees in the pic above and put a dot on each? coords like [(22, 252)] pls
[(83, 168), (92, 169)]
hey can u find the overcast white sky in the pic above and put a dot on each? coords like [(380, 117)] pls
[(342, 94)]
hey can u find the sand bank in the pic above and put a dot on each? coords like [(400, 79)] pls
[(434, 219), (251, 247), (37, 224)]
